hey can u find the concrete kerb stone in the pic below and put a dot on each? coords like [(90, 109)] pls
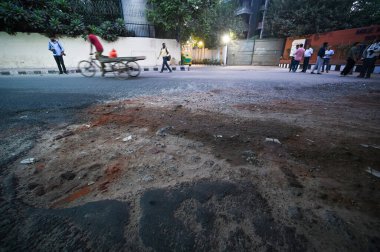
[(334, 67), (12, 72)]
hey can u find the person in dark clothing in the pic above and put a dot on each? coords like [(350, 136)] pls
[(165, 58), (370, 55), (352, 57), (321, 54), (58, 51)]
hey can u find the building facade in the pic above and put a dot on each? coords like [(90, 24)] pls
[(134, 12), (252, 12)]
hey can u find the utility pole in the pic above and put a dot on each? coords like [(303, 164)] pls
[(262, 22)]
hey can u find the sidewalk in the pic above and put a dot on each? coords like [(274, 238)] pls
[(51, 71)]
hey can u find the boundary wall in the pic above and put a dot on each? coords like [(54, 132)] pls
[(30, 51)]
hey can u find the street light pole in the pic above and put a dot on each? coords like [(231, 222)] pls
[(226, 38), (262, 22)]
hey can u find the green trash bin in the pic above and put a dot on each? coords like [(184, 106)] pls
[(186, 59)]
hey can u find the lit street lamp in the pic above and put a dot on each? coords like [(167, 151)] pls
[(226, 39)]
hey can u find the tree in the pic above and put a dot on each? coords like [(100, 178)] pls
[(66, 17), (299, 17), (365, 13), (176, 16), (196, 18), (217, 21)]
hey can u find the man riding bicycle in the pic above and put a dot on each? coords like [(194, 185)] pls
[(94, 41)]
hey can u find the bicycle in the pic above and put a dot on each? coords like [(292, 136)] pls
[(122, 67)]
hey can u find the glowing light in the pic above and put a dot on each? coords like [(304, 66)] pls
[(226, 39)]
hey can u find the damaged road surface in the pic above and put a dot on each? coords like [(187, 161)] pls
[(210, 160)]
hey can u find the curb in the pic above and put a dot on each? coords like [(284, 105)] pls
[(73, 71), (336, 68)]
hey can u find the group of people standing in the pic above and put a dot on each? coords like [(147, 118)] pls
[(369, 57), (354, 55), (323, 60)]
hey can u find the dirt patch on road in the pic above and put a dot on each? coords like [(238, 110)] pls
[(283, 175)]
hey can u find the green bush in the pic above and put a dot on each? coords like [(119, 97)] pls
[(206, 62), (63, 17)]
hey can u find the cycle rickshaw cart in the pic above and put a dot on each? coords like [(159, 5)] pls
[(122, 67)]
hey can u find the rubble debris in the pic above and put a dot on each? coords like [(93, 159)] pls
[(208, 163), (195, 159), (373, 172), (68, 175), (272, 140), (147, 178), (164, 131), (250, 157), (295, 213), (372, 146), (39, 191), (28, 161), (128, 138), (64, 134)]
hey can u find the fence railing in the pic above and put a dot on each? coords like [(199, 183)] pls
[(141, 30), (148, 31)]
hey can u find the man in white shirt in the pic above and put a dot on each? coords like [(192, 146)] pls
[(165, 58), (308, 52), (326, 60), (370, 55), (58, 51)]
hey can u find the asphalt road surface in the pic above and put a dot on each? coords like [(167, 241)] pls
[(31, 105)]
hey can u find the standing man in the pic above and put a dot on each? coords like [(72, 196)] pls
[(165, 58), (298, 55), (352, 57), (56, 47), (309, 51), (292, 59), (94, 41), (321, 54), (326, 60), (370, 54)]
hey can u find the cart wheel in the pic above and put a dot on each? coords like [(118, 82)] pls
[(120, 70), (86, 68), (133, 69)]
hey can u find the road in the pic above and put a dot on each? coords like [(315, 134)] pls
[(33, 102), (198, 173)]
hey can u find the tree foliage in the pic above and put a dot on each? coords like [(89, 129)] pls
[(66, 17), (215, 22), (299, 17), (197, 18)]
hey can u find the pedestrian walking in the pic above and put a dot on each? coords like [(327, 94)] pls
[(58, 52), (326, 60), (352, 57), (308, 52), (292, 58), (321, 54), (370, 55), (298, 55), (165, 58)]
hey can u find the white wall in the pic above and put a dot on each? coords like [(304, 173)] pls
[(31, 50)]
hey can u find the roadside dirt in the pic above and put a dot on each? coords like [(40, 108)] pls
[(198, 172)]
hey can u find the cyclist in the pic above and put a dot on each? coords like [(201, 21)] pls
[(94, 41)]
